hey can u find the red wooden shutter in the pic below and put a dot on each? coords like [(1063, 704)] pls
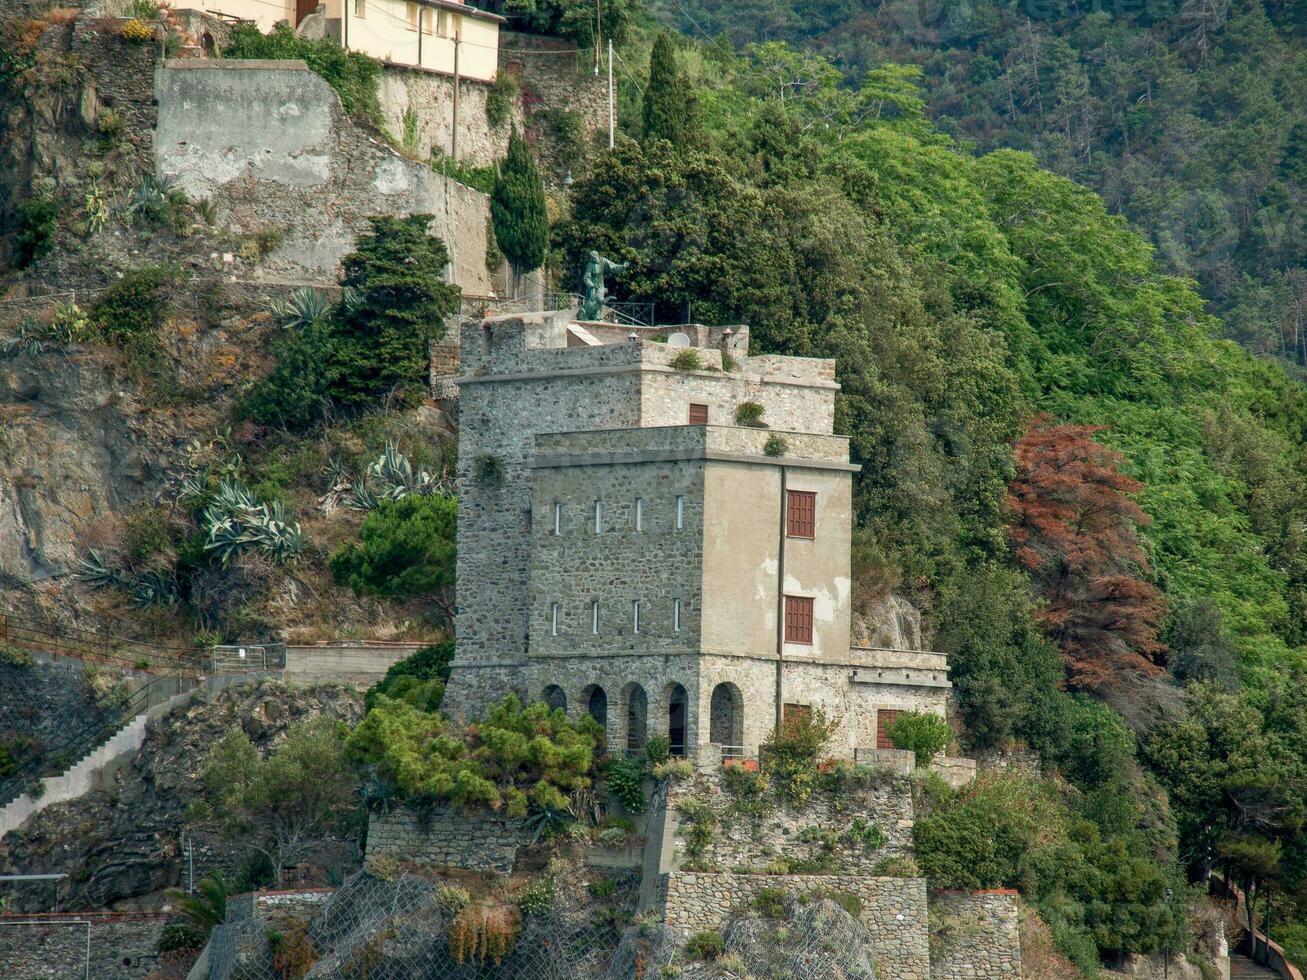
[(885, 717), (698, 414), (800, 513), (798, 619)]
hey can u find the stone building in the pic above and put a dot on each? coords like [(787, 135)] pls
[(654, 529)]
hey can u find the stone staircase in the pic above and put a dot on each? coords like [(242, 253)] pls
[(93, 769), (1241, 966)]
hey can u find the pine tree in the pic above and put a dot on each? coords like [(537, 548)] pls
[(667, 106), (396, 303), (517, 207)]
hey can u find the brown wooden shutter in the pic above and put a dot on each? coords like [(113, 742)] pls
[(698, 414), (798, 619), (885, 717), (800, 513)]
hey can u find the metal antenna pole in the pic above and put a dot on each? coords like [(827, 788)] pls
[(611, 95)]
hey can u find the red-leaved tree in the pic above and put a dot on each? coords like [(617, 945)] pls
[(1074, 529)]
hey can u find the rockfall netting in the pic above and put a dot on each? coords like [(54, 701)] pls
[(409, 927)]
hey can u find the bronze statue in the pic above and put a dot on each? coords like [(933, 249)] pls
[(592, 284)]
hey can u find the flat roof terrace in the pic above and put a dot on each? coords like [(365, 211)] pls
[(690, 442)]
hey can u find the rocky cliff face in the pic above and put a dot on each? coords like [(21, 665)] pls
[(889, 622), (125, 843)]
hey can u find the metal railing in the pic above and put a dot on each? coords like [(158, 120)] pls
[(247, 658), (39, 636)]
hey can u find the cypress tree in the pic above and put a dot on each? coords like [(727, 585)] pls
[(517, 208), (666, 105)]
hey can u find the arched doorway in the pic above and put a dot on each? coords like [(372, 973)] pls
[(596, 704), (726, 718), (676, 717), (637, 717), (554, 697)]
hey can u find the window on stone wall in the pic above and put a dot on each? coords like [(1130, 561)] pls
[(800, 513), (798, 619), (680, 512), (594, 618), (885, 717), (599, 517), (635, 615), (698, 414), (639, 513), (558, 517), (676, 615), (553, 618)]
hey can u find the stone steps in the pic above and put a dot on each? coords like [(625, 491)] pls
[(1241, 966)]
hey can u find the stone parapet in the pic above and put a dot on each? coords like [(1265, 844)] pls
[(893, 910), (658, 443), (976, 935)]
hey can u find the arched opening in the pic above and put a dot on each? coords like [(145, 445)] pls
[(596, 704), (726, 719), (554, 697), (676, 715), (637, 717)]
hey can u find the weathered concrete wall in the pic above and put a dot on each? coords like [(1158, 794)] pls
[(120, 947), (429, 97), (448, 838), (976, 936), (268, 143), (893, 910), (358, 664)]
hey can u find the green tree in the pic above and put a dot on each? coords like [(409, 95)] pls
[(286, 804), (666, 109), (406, 550), (923, 734), (293, 395), (517, 208), (396, 302)]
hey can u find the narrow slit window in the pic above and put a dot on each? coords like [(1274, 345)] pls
[(558, 518), (635, 615), (680, 512), (553, 619), (594, 618), (599, 517), (676, 615), (639, 513)]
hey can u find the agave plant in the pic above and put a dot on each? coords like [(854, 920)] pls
[(95, 572), (153, 589), (236, 519), (26, 341), (361, 497), (302, 308)]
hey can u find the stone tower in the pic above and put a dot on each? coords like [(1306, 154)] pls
[(654, 528)]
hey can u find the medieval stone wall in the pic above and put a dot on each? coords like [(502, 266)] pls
[(427, 98), (893, 910), (975, 935), (448, 838), (57, 946)]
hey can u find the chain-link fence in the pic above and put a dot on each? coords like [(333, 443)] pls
[(411, 927)]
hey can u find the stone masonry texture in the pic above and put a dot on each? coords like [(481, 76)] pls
[(448, 838), (55, 947), (977, 936), (893, 910)]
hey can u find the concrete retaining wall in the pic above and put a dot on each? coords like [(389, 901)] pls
[(359, 664)]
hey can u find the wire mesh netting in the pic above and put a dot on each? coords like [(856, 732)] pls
[(409, 926)]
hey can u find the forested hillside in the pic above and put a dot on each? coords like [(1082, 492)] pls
[(1190, 118), (1096, 499)]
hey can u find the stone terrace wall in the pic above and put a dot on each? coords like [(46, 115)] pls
[(980, 936), (448, 839), (37, 947), (744, 840), (893, 910), (430, 97)]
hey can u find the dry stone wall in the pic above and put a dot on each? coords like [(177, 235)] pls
[(893, 910), (976, 936), (448, 838), (59, 946), (428, 99)]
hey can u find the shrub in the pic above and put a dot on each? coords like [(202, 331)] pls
[(775, 445), (748, 413), (293, 952), (108, 121), (517, 755), (132, 309), (923, 734), (428, 664), (405, 551), (624, 778), (770, 903), (70, 324), (674, 770), (849, 902), (355, 77), (136, 31), (484, 932), (537, 897), (293, 395), (36, 227), (706, 945), (687, 360), (792, 753), (500, 99), (657, 748)]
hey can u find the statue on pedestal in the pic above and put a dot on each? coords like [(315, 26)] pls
[(594, 292)]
